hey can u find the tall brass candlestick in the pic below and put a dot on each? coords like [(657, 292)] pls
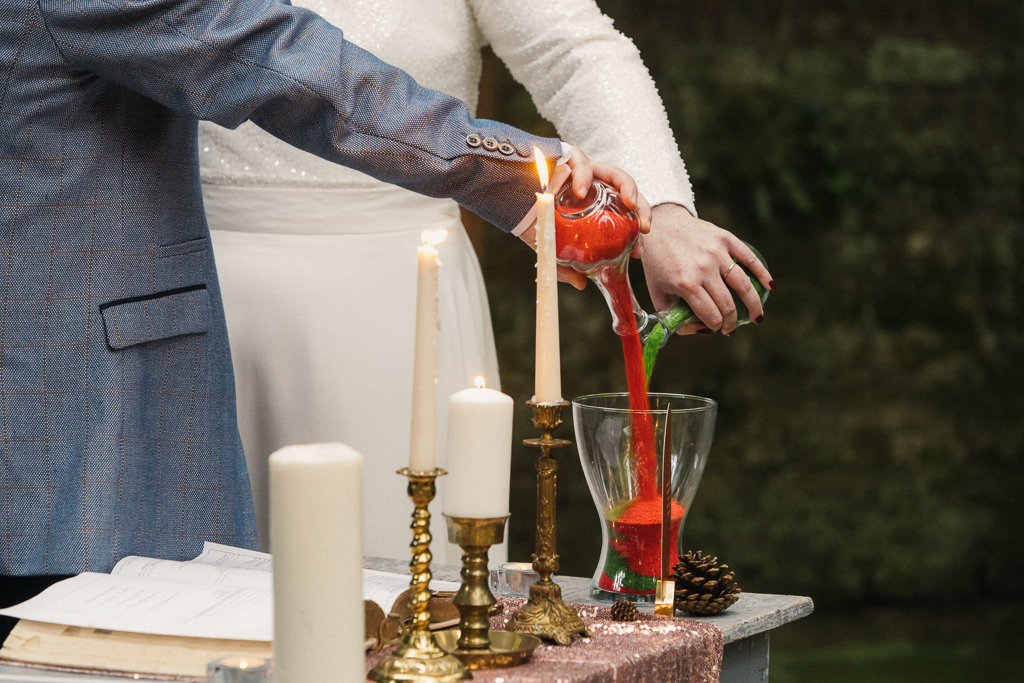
[(545, 614), (419, 657)]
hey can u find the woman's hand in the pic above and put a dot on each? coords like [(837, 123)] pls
[(582, 170), (686, 257)]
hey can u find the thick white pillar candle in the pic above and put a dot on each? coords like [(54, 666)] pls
[(479, 453), (316, 522), (547, 370), (424, 379)]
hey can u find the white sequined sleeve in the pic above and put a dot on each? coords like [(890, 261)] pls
[(587, 78)]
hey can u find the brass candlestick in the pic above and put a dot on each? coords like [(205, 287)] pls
[(545, 614), (474, 643), (419, 657)]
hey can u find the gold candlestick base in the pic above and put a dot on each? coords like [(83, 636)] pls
[(545, 614), (474, 643), (419, 657), (505, 649)]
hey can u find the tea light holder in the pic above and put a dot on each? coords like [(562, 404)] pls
[(513, 579), (545, 614), (419, 657), (236, 669)]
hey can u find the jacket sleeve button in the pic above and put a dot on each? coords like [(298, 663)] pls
[(473, 140), (490, 144), (506, 148)]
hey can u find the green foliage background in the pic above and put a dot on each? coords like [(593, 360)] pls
[(870, 432)]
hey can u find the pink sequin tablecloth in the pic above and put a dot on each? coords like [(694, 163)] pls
[(651, 649)]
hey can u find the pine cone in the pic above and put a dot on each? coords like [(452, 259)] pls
[(702, 585), (624, 610)]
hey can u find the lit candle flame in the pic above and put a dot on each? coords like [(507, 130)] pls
[(479, 382), (433, 237), (542, 168)]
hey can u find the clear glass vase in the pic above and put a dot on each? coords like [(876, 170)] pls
[(630, 518)]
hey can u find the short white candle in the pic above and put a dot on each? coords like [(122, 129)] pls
[(316, 522), (547, 370), (424, 380), (479, 453)]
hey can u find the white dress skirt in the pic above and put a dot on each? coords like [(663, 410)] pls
[(319, 289), (318, 262)]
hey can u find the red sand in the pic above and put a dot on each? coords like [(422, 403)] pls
[(639, 532)]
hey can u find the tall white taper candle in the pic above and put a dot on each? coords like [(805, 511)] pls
[(547, 370), (479, 453), (424, 380), (316, 531)]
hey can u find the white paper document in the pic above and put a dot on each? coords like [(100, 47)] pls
[(128, 603), (225, 592)]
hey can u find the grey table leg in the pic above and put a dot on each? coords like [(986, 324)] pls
[(746, 661)]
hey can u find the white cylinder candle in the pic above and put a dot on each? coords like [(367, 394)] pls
[(316, 521), (479, 453), (424, 380), (547, 370)]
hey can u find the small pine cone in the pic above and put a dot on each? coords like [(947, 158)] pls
[(624, 610), (703, 586)]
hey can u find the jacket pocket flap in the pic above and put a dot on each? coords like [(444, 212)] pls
[(156, 316)]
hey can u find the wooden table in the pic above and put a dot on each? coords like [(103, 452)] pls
[(746, 627)]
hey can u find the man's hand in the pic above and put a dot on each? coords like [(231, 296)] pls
[(686, 257), (582, 171)]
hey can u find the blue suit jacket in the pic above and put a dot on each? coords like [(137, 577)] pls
[(117, 417)]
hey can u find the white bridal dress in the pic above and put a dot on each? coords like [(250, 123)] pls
[(318, 262)]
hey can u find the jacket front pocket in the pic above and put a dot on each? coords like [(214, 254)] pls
[(162, 315)]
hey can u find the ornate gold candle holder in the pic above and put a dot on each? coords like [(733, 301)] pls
[(474, 643), (419, 657), (545, 614)]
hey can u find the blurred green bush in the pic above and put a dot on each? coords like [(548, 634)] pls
[(871, 431)]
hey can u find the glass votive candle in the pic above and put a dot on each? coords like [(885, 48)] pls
[(513, 579), (237, 669)]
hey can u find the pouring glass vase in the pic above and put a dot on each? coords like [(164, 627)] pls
[(630, 560), (595, 236)]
